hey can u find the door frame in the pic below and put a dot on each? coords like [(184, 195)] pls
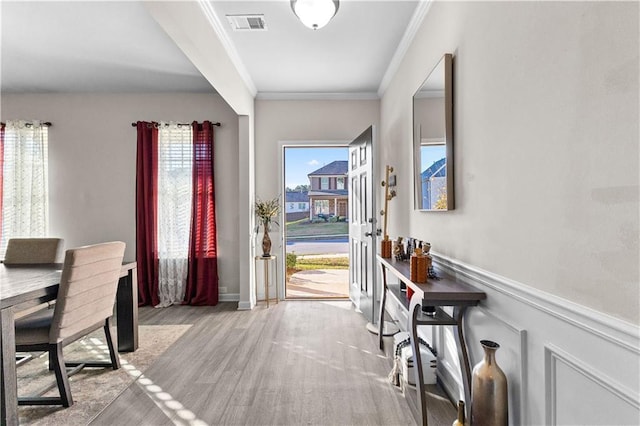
[(281, 282)]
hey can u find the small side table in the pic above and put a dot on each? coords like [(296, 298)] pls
[(266, 261)]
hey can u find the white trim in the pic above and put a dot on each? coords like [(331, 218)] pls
[(219, 29), (245, 306), (412, 29), (553, 354), (229, 297), (615, 330), (317, 96)]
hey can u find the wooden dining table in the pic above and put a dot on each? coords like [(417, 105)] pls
[(23, 286)]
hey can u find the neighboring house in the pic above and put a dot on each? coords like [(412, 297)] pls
[(434, 180), (328, 194), (296, 205)]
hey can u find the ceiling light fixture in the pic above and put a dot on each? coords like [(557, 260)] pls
[(315, 14)]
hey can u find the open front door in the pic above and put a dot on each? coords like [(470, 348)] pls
[(362, 226)]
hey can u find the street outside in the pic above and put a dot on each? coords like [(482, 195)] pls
[(318, 245)]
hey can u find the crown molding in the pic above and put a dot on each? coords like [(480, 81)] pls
[(317, 96), (416, 21), (222, 34)]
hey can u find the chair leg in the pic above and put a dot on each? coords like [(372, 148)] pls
[(55, 354), (113, 352)]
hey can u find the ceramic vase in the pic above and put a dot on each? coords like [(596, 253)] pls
[(266, 241), (489, 394)]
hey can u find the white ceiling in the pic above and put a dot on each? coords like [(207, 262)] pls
[(80, 46)]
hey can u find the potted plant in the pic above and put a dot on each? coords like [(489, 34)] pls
[(266, 212)]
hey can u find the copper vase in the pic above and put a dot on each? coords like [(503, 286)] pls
[(489, 394), (266, 242)]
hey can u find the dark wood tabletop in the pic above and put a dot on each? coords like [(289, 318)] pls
[(19, 284), (445, 290)]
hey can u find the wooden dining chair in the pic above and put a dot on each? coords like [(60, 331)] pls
[(85, 302), (29, 251)]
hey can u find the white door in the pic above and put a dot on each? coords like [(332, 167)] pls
[(362, 226)]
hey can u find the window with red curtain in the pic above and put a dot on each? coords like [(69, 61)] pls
[(202, 279)]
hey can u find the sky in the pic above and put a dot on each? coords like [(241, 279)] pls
[(299, 162), (431, 154)]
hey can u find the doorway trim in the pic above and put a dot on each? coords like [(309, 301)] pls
[(298, 143)]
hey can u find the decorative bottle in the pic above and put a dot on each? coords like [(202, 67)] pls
[(460, 420), (489, 394)]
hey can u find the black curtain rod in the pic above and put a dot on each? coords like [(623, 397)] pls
[(29, 123), (180, 124)]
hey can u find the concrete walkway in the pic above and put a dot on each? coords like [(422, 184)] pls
[(319, 283)]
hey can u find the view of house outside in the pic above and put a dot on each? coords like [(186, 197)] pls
[(317, 223), (433, 176)]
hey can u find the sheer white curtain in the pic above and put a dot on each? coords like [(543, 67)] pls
[(25, 197), (175, 180)]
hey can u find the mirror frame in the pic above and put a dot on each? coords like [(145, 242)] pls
[(447, 62)]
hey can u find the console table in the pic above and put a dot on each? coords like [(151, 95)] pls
[(445, 291)]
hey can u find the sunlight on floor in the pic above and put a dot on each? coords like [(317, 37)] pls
[(361, 350), (173, 409), (313, 355), (342, 304)]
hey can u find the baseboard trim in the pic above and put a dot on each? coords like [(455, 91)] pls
[(605, 326), (229, 297), (244, 305)]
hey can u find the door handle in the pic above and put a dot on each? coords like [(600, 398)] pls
[(370, 234)]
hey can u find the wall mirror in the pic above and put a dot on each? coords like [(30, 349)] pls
[(433, 139)]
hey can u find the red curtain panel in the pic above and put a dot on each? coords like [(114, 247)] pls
[(202, 278), (147, 213)]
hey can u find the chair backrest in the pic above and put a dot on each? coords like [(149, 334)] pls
[(23, 251), (88, 287)]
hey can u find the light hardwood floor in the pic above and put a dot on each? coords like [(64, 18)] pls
[(296, 363)]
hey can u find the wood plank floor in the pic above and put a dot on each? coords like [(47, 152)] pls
[(299, 362)]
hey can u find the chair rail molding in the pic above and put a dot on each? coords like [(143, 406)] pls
[(607, 327)]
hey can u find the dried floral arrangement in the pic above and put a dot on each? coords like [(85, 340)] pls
[(268, 210)]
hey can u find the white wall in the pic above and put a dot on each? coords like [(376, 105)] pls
[(546, 186), (92, 163), (546, 145), (300, 121)]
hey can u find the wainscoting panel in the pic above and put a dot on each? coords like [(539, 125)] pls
[(564, 373), (565, 363), (511, 356)]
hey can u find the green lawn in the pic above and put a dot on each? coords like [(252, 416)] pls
[(303, 228), (308, 264), (315, 263)]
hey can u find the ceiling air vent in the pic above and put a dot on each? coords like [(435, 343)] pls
[(247, 22)]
